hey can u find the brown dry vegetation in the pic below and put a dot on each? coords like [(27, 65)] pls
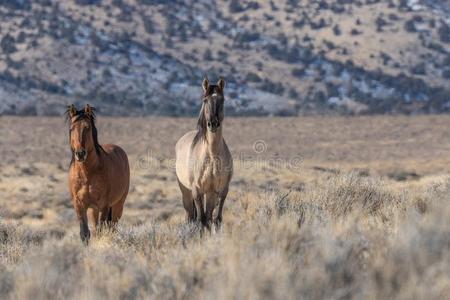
[(330, 208)]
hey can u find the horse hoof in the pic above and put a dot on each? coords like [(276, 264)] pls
[(218, 223), (214, 228), (85, 238), (85, 241)]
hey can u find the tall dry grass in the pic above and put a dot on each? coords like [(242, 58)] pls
[(349, 237)]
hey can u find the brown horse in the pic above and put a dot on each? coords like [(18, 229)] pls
[(204, 165), (99, 176)]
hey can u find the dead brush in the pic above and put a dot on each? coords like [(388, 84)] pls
[(15, 241), (344, 194)]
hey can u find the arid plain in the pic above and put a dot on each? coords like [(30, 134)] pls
[(319, 207)]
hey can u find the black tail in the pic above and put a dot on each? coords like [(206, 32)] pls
[(110, 215), (195, 211)]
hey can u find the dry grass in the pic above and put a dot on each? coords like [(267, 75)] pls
[(327, 230)]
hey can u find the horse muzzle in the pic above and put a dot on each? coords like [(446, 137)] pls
[(213, 125), (80, 155)]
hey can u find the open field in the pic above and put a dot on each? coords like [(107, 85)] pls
[(319, 207)]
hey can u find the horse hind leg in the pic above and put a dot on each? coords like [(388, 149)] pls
[(116, 212), (117, 209), (188, 203), (189, 206), (104, 217), (109, 218), (222, 197)]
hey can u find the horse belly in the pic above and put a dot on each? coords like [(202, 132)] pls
[(118, 178), (182, 172), (183, 153), (118, 187)]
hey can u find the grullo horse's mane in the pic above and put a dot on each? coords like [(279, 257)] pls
[(201, 122), (201, 125), (82, 115)]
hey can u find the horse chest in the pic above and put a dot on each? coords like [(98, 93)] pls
[(209, 173), (87, 191), (211, 178)]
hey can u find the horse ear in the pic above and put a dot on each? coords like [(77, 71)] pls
[(221, 83), (205, 84), (88, 110), (72, 110)]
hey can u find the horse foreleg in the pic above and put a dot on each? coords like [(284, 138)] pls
[(92, 214), (222, 197), (84, 228), (103, 216), (198, 200), (210, 200)]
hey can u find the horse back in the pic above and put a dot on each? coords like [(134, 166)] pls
[(116, 164)]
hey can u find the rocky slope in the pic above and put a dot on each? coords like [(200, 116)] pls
[(289, 57)]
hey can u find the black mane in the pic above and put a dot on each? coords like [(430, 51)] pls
[(201, 122)]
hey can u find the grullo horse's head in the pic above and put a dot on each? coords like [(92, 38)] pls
[(213, 100)]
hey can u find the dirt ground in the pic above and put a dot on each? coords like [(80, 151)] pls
[(286, 153)]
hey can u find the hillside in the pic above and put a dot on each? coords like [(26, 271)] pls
[(289, 57)]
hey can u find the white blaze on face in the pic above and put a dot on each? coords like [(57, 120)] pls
[(214, 95)]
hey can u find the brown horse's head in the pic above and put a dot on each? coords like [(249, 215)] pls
[(83, 133), (211, 114)]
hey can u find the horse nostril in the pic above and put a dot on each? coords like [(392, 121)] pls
[(209, 124), (80, 154)]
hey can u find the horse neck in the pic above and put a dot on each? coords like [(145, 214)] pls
[(214, 141)]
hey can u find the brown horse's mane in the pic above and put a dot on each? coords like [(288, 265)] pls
[(201, 122), (82, 115)]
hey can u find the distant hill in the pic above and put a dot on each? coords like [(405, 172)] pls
[(288, 57)]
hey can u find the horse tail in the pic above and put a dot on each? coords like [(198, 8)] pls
[(195, 210), (110, 215)]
